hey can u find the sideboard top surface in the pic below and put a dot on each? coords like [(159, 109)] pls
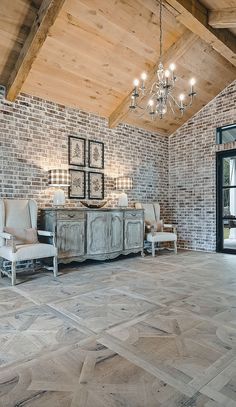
[(91, 209)]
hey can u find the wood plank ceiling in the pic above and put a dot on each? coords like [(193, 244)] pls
[(86, 53)]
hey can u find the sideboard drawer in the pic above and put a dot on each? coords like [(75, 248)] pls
[(70, 215), (134, 214)]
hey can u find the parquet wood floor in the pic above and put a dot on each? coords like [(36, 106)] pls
[(152, 332)]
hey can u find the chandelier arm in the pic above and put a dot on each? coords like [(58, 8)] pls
[(177, 116), (174, 100)]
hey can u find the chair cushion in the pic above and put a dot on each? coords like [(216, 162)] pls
[(161, 237), (22, 236), (157, 226), (28, 252)]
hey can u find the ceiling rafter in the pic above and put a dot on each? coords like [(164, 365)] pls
[(194, 16), (225, 18), (44, 20), (175, 52)]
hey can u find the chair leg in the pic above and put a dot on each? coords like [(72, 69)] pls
[(13, 273), (55, 266), (175, 247), (153, 249)]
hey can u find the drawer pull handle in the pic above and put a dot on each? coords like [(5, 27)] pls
[(71, 215)]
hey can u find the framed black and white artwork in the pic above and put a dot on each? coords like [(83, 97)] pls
[(95, 185), (77, 184), (77, 151), (96, 154)]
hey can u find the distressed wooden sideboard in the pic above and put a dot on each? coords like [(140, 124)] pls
[(98, 234)]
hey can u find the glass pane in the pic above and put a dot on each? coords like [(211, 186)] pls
[(229, 234), (228, 135), (229, 203), (229, 171), (229, 209)]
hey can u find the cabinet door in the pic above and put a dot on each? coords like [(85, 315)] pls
[(97, 232), (70, 238), (116, 231), (133, 233)]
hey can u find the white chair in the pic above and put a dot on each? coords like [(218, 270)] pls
[(19, 235), (155, 228)]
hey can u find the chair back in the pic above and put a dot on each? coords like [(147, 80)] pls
[(151, 211), (17, 213)]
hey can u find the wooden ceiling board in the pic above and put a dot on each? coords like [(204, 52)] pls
[(116, 62), (84, 65), (45, 80), (87, 43), (129, 18), (95, 49)]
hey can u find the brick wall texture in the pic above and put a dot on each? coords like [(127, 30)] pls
[(179, 172), (34, 138), (192, 172)]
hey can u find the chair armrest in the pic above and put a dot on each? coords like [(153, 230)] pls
[(8, 236), (170, 226), (45, 233)]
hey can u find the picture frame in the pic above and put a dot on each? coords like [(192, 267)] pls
[(95, 154), (77, 189), (77, 151), (95, 185)]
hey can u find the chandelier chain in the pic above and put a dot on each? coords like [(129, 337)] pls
[(160, 30)]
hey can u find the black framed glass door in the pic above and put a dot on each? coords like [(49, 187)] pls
[(226, 201)]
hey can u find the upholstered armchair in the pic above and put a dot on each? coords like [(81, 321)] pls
[(156, 231), (19, 235)]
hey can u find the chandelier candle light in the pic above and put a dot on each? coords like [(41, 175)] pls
[(161, 92)]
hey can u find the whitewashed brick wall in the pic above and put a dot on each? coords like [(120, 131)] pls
[(34, 138), (192, 172)]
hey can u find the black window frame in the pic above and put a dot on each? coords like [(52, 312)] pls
[(219, 131)]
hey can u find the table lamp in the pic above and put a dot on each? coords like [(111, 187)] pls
[(123, 183), (59, 178)]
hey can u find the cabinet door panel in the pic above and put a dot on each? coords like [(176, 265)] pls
[(70, 238), (97, 233), (116, 232), (133, 234)]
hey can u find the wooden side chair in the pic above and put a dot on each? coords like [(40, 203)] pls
[(19, 235), (156, 231)]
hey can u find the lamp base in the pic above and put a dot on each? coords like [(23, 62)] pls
[(59, 198), (123, 200)]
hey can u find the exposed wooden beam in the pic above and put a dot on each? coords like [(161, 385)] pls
[(223, 18), (45, 18), (172, 54), (195, 17)]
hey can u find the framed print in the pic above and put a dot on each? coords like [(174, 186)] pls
[(96, 154), (77, 151), (78, 184), (95, 185)]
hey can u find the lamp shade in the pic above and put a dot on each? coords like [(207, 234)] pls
[(58, 177), (124, 183)]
